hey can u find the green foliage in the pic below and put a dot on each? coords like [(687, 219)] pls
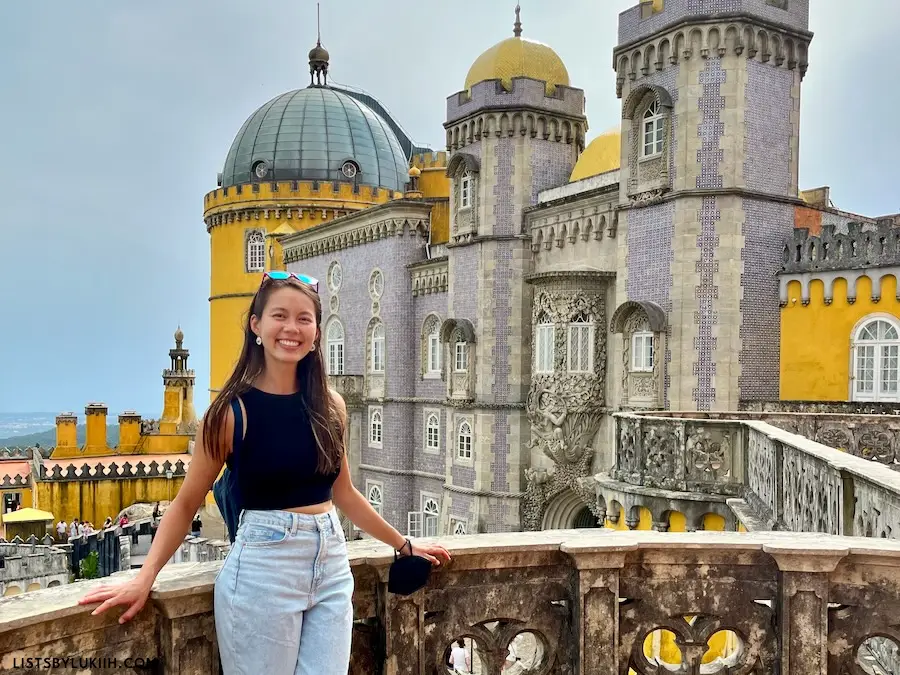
[(89, 567)]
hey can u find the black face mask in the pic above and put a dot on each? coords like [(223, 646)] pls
[(408, 574)]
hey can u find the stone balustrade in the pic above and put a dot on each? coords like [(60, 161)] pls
[(586, 601), (749, 472), (29, 566)]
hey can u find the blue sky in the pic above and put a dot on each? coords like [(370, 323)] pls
[(116, 118)]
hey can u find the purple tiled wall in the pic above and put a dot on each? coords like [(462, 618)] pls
[(766, 227), (551, 166), (428, 461), (768, 129), (500, 452), (650, 257), (711, 128), (464, 268), (424, 305)]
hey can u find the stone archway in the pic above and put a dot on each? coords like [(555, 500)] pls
[(566, 511)]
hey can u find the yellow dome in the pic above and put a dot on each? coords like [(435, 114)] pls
[(601, 155), (518, 57)]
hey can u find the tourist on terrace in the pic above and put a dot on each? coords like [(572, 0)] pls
[(282, 597)]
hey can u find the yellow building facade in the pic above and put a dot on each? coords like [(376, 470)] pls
[(840, 317), (98, 479)]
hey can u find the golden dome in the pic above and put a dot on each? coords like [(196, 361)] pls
[(415, 172), (518, 57), (601, 155)]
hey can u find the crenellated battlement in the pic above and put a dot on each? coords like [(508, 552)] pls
[(857, 245), (259, 194), (525, 93), (648, 18), (129, 469), (429, 160)]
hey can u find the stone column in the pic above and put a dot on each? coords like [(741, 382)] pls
[(187, 633), (803, 602), (597, 613), (404, 629)]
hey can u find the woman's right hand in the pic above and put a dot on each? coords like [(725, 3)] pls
[(133, 594)]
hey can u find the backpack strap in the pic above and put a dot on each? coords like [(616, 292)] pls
[(238, 437)]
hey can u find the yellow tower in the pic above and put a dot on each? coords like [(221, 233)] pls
[(302, 159), (178, 402)]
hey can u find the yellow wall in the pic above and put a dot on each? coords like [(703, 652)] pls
[(95, 434), (67, 432), (94, 500), (815, 339)]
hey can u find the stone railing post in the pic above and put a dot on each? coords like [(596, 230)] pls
[(803, 599), (597, 613), (403, 622), (187, 631)]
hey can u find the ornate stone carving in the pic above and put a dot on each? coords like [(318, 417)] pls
[(149, 427), (660, 443), (640, 387)]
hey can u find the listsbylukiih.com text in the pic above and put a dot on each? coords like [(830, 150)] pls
[(75, 662)]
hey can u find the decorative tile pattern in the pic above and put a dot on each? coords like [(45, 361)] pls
[(768, 130), (706, 317), (504, 198), (500, 452), (711, 128), (551, 165), (650, 257), (464, 282), (766, 226), (632, 27)]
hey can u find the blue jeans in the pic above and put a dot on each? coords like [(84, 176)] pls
[(283, 596)]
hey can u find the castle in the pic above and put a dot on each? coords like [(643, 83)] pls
[(488, 306)]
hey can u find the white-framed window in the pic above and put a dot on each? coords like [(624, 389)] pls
[(465, 190), (334, 342), (457, 526), (876, 360), (461, 357), (642, 352), (544, 345), (433, 341), (375, 496), (581, 345), (431, 510), (376, 426), (378, 348), (414, 524), (653, 127), (432, 432), (256, 251), (464, 440)]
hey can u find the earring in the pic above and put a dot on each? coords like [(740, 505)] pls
[(258, 340), (313, 348)]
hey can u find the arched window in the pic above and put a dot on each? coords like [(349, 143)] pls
[(431, 511), (334, 338), (378, 348), (432, 346), (465, 191), (464, 441), (433, 433), (544, 345), (459, 527), (375, 427), (375, 497), (876, 352), (653, 130), (581, 344), (256, 251)]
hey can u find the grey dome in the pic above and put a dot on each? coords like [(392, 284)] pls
[(309, 134)]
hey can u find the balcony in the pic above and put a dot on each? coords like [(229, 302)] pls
[(585, 600)]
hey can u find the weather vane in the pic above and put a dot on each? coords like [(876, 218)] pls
[(517, 28)]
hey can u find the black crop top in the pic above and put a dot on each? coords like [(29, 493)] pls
[(276, 465)]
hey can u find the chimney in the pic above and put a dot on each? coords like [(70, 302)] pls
[(66, 430), (96, 428), (129, 431)]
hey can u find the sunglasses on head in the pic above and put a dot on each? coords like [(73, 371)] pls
[(305, 279)]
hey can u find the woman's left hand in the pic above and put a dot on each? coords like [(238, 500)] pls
[(433, 553)]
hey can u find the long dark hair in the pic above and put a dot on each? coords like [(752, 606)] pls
[(327, 422)]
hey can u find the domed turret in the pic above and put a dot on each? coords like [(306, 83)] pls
[(518, 57), (601, 155)]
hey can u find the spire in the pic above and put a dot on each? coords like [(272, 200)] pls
[(318, 56), (517, 27)]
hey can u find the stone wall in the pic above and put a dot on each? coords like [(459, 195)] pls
[(32, 566), (584, 601)]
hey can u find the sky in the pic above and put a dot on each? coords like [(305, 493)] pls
[(117, 116)]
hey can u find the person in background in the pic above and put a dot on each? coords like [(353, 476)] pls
[(107, 523), (156, 513), (459, 658), (282, 599), (73, 529), (196, 524), (61, 528)]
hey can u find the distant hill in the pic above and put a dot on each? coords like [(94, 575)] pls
[(47, 439)]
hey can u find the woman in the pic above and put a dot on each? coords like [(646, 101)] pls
[(282, 597)]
